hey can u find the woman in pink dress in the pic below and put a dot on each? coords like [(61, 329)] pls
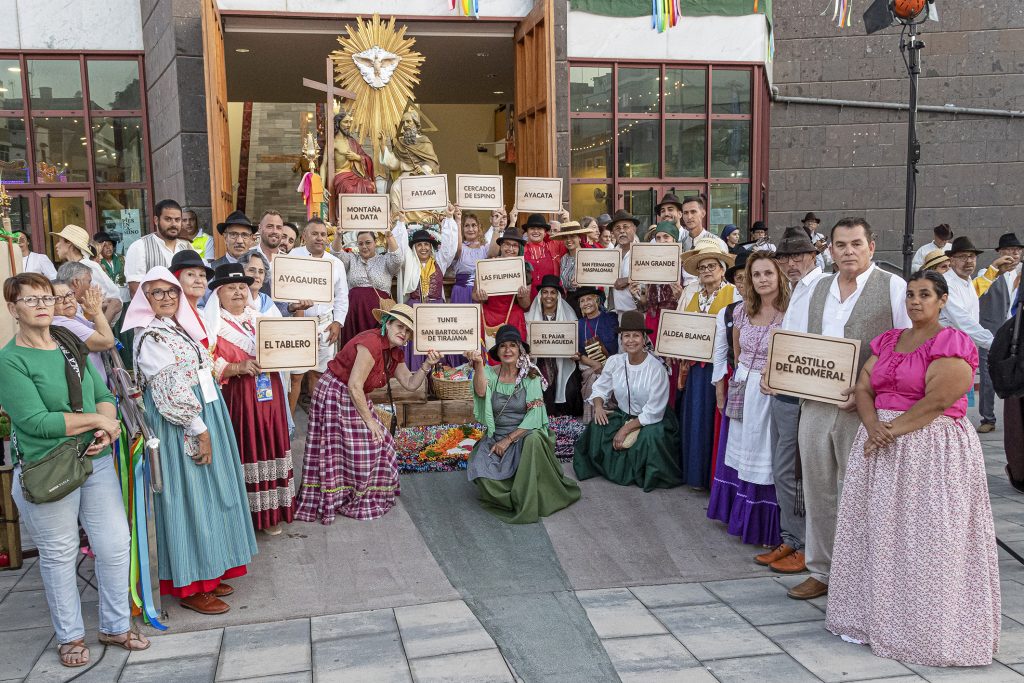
[(914, 569)]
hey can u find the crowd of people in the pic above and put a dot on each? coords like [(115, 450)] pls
[(860, 495)]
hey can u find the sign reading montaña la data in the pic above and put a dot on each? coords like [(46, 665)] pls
[(359, 212)]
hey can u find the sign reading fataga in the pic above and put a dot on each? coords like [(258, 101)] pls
[(424, 192)]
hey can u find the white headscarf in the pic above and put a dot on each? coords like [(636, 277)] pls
[(213, 318), (140, 314), (566, 366)]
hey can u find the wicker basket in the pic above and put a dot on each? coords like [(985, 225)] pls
[(452, 390), (385, 416)]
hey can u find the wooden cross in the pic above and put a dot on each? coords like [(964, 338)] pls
[(332, 92)]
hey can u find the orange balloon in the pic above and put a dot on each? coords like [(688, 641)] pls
[(908, 9)]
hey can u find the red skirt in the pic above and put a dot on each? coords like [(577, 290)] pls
[(361, 302), (205, 586)]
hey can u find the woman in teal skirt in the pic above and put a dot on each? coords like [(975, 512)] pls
[(514, 466), (204, 532), (637, 442)]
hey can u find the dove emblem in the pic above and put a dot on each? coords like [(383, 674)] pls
[(376, 65)]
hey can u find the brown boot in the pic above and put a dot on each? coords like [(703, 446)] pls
[(205, 603), (222, 590), (791, 564), (775, 554), (808, 590)]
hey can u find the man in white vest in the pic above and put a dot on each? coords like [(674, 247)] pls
[(158, 247)]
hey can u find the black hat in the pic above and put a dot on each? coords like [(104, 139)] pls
[(189, 259), (536, 221), (514, 234), (588, 291), (740, 264), (101, 237), (552, 281), (623, 215), (633, 321), (423, 236), (810, 217), (963, 244), (506, 333), (603, 220), (1009, 239), (795, 241), (758, 225), (228, 273), (236, 218), (669, 198)]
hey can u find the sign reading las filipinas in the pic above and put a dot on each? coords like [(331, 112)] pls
[(597, 266), (300, 277), (812, 366), (446, 328), (654, 264), (553, 338), (424, 192), (361, 212), (481, 192), (539, 195), (286, 344), (690, 336), (499, 276)]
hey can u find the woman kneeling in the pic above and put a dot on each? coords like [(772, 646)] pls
[(637, 445), (514, 465)]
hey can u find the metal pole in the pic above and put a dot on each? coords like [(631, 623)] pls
[(913, 45)]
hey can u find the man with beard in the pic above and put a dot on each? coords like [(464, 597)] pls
[(158, 247), (409, 153), (353, 168)]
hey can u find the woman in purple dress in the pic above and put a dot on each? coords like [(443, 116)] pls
[(472, 247)]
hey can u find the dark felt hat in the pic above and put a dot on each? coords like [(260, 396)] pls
[(229, 273), (603, 220), (101, 237), (1009, 239), (795, 241), (588, 290), (623, 215), (514, 234), (552, 281), (506, 333), (535, 220), (741, 263), (963, 244), (236, 218), (669, 198), (423, 236), (189, 259), (633, 321), (810, 217)]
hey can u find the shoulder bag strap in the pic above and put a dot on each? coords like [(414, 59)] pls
[(73, 375)]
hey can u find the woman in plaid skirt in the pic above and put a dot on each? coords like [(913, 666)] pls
[(351, 465)]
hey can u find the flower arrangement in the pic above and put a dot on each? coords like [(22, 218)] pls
[(457, 441)]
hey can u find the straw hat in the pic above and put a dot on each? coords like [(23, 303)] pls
[(568, 229), (78, 236), (705, 251), (935, 258), (400, 312)]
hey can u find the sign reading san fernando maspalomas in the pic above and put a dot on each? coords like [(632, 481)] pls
[(599, 267)]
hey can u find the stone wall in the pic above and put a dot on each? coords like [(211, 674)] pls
[(851, 161), (271, 182)]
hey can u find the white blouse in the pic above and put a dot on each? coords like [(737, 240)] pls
[(640, 390), (39, 263)]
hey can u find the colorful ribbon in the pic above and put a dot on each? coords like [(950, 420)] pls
[(468, 7), (665, 14)]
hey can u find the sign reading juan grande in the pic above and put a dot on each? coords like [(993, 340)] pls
[(303, 277), (539, 195), (552, 338), (597, 266), (690, 336), (359, 212), (500, 276), (482, 192), (424, 192), (654, 264), (286, 343), (811, 366), (446, 328)]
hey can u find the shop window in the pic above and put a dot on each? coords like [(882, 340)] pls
[(121, 213), (10, 84), (117, 146), (590, 89), (114, 85), (730, 148), (60, 149), (730, 203), (685, 148), (686, 91), (591, 148), (639, 91), (55, 84), (730, 92), (13, 148), (639, 148)]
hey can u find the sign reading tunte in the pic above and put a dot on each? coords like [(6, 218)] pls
[(481, 192), (446, 328), (598, 267), (360, 212), (654, 264), (552, 338), (286, 343), (690, 336), (497, 276), (812, 366), (302, 277), (539, 195), (424, 192)]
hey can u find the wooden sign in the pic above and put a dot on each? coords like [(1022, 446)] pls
[(446, 328), (597, 266), (482, 192), (690, 336), (302, 277), (539, 195), (552, 338), (654, 264), (286, 343), (812, 366), (10, 265), (364, 212), (424, 192), (500, 276)]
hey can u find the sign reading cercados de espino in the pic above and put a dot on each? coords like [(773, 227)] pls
[(552, 338), (446, 328), (812, 366), (597, 267), (301, 277), (654, 264), (480, 192), (286, 344), (424, 192), (685, 335), (364, 212), (539, 195), (497, 276)]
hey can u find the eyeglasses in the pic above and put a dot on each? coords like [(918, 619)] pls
[(786, 258), (235, 236), (34, 301), (161, 294), (709, 268), (65, 298)]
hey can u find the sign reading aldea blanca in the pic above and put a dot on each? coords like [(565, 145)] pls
[(360, 212), (690, 336), (446, 328), (300, 277)]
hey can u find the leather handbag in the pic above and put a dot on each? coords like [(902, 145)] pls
[(1005, 365)]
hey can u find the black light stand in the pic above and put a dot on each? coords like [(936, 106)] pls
[(913, 45)]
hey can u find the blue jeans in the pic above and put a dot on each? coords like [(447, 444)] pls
[(54, 528)]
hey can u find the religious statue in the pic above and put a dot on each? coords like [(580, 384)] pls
[(409, 153), (353, 168), (311, 187)]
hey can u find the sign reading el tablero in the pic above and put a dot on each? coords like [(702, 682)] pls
[(286, 343), (499, 276), (553, 338), (654, 264), (361, 212), (597, 266), (302, 277), (446, 328), (481, 192), (690, 336), (423, 192), (539, 195), (812, 366)]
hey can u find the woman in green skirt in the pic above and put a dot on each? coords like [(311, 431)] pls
[(636, 443), (514, 465)]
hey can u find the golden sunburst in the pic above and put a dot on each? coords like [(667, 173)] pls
[(377, 109)]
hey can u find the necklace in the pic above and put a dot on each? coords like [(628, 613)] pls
[(704, 300)]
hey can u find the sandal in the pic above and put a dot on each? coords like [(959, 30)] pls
[(74, 649), (126, 640)]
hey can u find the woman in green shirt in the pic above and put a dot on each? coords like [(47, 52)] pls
[(514, 465), (32, 370)]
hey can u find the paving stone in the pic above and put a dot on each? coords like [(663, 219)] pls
[(353, 624), (265, 649), (49, 669), (763, 601), (440, 628), (20, 650), (653, 659), (1011, 642), (363, 656), (671, 594), (171, 645), (24, 609), (714, 632), (183, 669), (1011, 594), (765, 669), (485, 666), (993, 673), (616, 613), (300, 677), (829, 657), (894, 679)]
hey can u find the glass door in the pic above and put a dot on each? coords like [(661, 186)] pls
[(60, 208), (641, 201)]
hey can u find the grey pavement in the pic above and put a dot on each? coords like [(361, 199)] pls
[(622, 586)]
